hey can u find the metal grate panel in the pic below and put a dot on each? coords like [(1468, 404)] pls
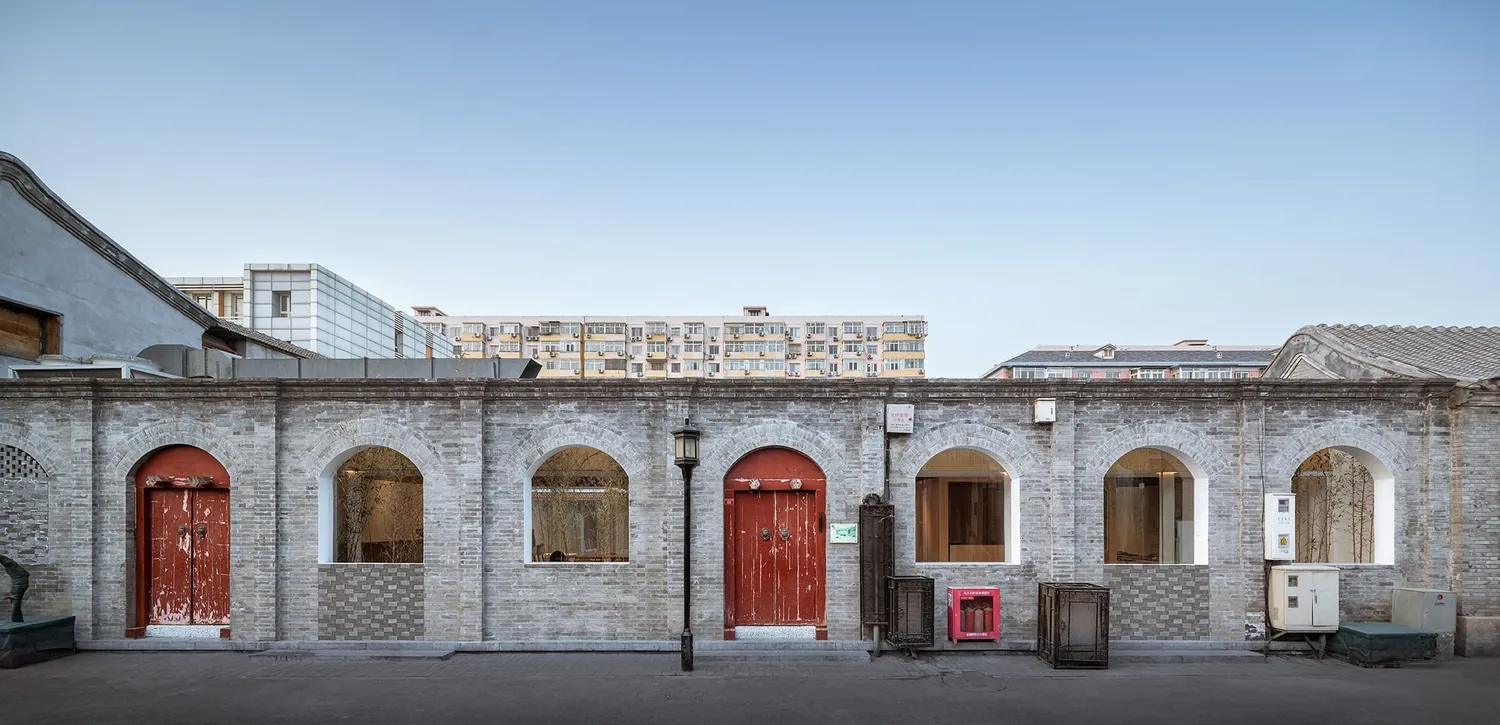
[(910, 610), (876, 553), (1072, 629)]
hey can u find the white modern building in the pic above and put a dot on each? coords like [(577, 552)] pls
[(310, 306)]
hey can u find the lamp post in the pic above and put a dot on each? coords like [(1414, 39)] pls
[(686, 450)]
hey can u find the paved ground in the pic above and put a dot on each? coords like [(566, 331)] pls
[(235, 688)]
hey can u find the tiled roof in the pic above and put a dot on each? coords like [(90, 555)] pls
[(1125, 357), (1458, 353)]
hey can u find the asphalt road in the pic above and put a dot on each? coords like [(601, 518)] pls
[(499, 688)]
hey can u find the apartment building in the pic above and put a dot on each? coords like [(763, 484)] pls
[(755, 344), (310, 306), (1186, 360)]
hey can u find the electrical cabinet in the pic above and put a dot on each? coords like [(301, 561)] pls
[(1425, 610), (1304, 598), (1281, 527)]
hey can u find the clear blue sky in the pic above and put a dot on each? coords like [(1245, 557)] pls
[(1020, 173)]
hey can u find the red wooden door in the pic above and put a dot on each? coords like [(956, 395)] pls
[(774, 554), (798, 560), (755, 556), (210, 556), (170, 571), (188, 571)]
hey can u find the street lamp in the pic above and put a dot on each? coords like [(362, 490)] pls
[(686, 449)]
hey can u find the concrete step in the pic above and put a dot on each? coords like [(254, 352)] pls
[(354, 655), (787, 645), (1179, 655), (782, 656)]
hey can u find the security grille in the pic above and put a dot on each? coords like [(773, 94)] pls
[(910, 609), (876, 552), (1072, 625)]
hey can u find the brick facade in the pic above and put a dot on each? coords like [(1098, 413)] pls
[(477, 443)]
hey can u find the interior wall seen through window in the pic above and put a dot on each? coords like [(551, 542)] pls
[(1148, 509), (962, 499), (1335, 509)]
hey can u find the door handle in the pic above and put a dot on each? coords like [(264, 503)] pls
[(182, 529), (765, 534), (820, 523), (203, 529), (785, 533)]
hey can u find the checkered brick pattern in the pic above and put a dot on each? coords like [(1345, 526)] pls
[(370, 601), (16, 463), (23, 507), (1156, 602)]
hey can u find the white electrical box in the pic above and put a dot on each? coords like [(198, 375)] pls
[(1304, 598), (1425, 610), (1045, 410), (1281, 526)]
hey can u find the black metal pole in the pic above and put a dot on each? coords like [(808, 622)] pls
[(687, 568)]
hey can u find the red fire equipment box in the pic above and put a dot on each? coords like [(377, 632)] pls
[(973, 613)]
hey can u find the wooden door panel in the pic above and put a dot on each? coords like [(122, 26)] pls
[(799, 571), (755, 558), (210, 556), (168, 524)]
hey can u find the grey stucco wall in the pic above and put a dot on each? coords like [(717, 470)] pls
[(104, 310), (477, 444)]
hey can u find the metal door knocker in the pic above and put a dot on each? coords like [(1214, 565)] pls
[(785, 532), (182, 529), (203, 529), (765, 534)]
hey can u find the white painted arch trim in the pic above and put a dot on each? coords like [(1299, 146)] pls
[(1004, 448), (339, 443), (542, 444), (1380, 455), (1206, 461)]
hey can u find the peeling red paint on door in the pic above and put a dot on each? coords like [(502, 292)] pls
[(170, 567), (182, 535), (775, 533), (210, 556)]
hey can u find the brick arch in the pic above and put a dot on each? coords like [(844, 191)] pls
[(1382, 457), (179, 432), (1209, 463), (727, 449), (539, 447), (347, 437), (1294, 450), (343, 440), (1013, 454), (1203, 457), (21, 438), (535, 449)]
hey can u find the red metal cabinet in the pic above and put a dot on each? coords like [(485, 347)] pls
[(973, 613)]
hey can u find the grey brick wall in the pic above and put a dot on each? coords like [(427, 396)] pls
[(371, 601), (1158, 602), (477, 443)]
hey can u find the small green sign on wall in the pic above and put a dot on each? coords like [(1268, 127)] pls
[(844, 534)]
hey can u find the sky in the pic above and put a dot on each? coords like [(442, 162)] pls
[(1020, 173)]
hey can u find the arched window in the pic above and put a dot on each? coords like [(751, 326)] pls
[(1342, 499), (377, 515), (1153, 510), (579, 508), (964, 509)]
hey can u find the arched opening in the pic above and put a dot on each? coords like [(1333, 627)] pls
[(1345, 508), (578, 508), (371, 509), (25, 491), (182, 544), (964, 509), (1155, 510), (775, 545)]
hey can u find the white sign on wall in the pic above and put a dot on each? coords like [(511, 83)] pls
[(900, 417), (843, 534)]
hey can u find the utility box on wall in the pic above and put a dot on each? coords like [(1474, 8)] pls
[(1281, 527), (1304, 598), (1425, 610), (973, 613)]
